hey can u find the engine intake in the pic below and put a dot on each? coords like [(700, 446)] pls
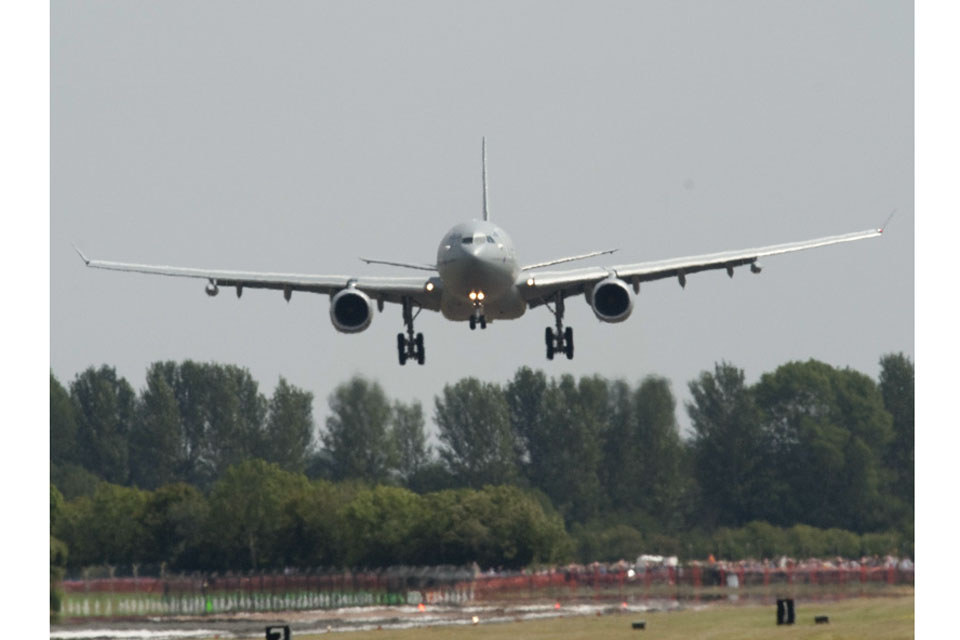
[(612, 300), (351, 311)]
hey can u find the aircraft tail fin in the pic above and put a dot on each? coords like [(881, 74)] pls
[(483, 150)]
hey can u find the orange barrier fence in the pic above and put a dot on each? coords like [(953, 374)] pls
[(201, 594)]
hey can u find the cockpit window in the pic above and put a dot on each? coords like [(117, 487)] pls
[(490, 239), (467, 240)]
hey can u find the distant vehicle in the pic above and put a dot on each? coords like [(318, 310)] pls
[(477, 279)]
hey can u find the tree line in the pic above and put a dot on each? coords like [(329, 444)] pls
[(807, 445), (259, 517)]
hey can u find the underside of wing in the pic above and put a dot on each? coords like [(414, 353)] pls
[(540, 287), (421, 291)]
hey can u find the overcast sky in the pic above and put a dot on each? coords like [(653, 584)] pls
[(297, 136)]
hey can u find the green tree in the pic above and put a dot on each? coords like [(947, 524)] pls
[(58, 552), (645, 458), (842, 543), (477, 444), (250, 510), (494, 527), (63, 426), (106, 529), (897, 389), (289, 428), (432, 476), (357, 435), (104, 406), (522, 533), (316, 535), (607, 544), (238, 415), (411, 454), (730, 448), (526, 400), (568, 466), (222, 417), (381, 526), (176, 518), (66, 462), (156, 456), (763, 540), (829, 432)]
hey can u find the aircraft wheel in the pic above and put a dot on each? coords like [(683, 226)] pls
[(421, 356), (568, 339), (483, 322), (549, 336), (402, 349), (473, 323)]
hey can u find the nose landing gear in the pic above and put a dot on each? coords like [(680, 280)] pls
[(560, 341), (410, 346), (478, 318)]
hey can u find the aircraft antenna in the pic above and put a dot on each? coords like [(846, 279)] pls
[(483, 151)]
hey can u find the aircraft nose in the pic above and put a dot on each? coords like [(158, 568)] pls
[(476, 250)]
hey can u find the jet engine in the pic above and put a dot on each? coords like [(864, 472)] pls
[(351, 310), (612, 300)]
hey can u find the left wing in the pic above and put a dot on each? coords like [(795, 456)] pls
[(538, 288), (381, 289)]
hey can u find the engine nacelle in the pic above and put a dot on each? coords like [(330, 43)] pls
[(612, 300), (351, 310)]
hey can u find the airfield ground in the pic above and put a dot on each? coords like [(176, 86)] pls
[(882, 618), (879, 617)]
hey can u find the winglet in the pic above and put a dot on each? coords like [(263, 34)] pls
[(85, 259), (483, 151), (889, 218)]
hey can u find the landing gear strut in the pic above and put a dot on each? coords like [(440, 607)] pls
[(478, 318), (560, 341), (411, 345)]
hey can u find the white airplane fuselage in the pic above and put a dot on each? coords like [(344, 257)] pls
[(478, 269)]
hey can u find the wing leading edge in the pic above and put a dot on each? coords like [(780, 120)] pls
[(382, 289), (538, 288)]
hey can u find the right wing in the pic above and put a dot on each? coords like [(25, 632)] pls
[(538, 288), (381, 289)]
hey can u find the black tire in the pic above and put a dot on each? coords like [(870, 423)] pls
[(549, 336), (483, 322), (421, 356), (402, 349), (568, 339), (473, 323)]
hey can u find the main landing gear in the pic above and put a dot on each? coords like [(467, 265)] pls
[(409, 346), (560, 341)]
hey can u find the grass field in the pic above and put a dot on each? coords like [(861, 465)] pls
[(873, 618)]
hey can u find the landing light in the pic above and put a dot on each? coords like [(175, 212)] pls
[(473, 295), (429, 286), (480, 295), (529, 282)]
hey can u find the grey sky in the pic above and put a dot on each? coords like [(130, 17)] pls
[(297, 136)]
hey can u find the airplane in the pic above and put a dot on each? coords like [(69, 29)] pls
[(477, 279)]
